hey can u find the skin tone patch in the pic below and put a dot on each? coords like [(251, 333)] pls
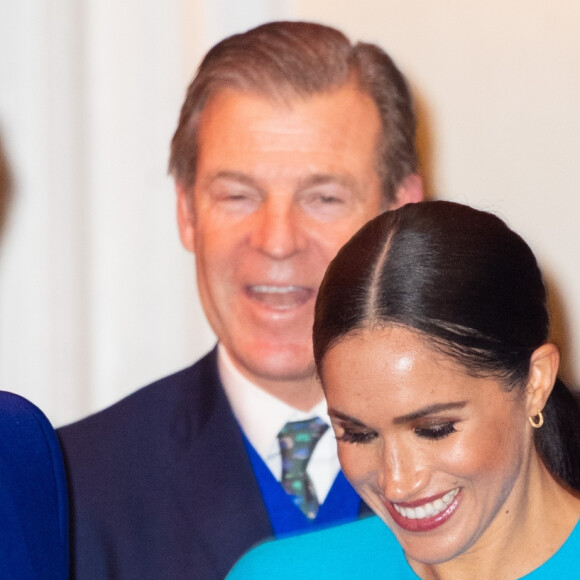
[(279, 189), (419, 439)]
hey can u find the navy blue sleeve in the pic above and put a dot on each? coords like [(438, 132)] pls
[(33, 495)]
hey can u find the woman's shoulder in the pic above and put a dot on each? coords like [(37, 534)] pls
[(20, 418), (365, 548), (33, 497)]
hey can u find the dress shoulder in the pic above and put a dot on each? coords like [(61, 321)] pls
[(564, 564), (362, 549)]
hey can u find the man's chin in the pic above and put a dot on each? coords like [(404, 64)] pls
[(284, 373), (280, 366)]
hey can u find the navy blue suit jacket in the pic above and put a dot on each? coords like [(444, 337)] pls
[(161, 484), (33, 497)]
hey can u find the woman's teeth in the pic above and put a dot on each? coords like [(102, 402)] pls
[(428, 509)]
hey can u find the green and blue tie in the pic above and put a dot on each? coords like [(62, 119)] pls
[(297, 441)]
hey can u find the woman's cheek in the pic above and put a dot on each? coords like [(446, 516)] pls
[(356, 462)]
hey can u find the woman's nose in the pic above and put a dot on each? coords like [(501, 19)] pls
[(403, 477)]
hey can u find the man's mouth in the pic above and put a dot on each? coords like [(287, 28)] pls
[(280, 297)]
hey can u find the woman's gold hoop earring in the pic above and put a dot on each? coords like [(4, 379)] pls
[(538, 422)]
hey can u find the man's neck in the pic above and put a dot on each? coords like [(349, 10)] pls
[(302, 395), (301, 392), (262, 415)]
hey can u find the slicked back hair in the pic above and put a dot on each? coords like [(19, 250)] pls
[(296, 60), (466, 283)]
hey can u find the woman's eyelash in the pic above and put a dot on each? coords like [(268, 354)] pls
[(356, 436), (436, 431)]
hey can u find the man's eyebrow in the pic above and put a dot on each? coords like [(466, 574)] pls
[(232, 176), (322, 178), (343, 180), (429, 410), (308, 181)]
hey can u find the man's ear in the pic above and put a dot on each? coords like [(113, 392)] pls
[(185, 220), (410, 191), (544, 364)]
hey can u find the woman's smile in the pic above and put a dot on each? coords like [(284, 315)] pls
[(427, 514)]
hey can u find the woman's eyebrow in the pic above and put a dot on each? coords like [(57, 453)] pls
[(429, 410), (344, 417)]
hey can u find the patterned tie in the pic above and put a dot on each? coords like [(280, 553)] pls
[(297, 441)]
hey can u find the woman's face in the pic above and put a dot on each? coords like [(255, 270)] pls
[(440, 456)]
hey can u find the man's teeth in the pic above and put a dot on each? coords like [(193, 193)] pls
[(274, 289), (429, 509), (280, 297)]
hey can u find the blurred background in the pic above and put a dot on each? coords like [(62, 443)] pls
[(97, 297)]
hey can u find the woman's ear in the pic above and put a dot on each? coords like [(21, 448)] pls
[(544, 364)]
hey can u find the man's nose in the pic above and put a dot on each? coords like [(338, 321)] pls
[(278, 231)]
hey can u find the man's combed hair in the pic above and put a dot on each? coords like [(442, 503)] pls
[(288, 60), (470, 286)]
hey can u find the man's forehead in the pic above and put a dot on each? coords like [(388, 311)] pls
[(331, 119), (324, 138), (283, 97), (340, 128)]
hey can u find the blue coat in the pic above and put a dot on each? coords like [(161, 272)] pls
[(33, 498)]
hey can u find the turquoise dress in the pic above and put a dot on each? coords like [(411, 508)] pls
[(365, 549)]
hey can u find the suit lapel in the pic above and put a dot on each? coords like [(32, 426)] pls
[(216, 488)]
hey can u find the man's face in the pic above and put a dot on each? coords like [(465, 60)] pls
[(279, 189)]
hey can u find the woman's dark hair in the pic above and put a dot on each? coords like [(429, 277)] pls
[(470, 285)]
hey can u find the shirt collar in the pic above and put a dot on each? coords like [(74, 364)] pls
[(260, 414)]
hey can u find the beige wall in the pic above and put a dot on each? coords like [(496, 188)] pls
[(498, 86), (97, 297)]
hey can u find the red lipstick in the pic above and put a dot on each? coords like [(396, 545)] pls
[(428, 522)]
